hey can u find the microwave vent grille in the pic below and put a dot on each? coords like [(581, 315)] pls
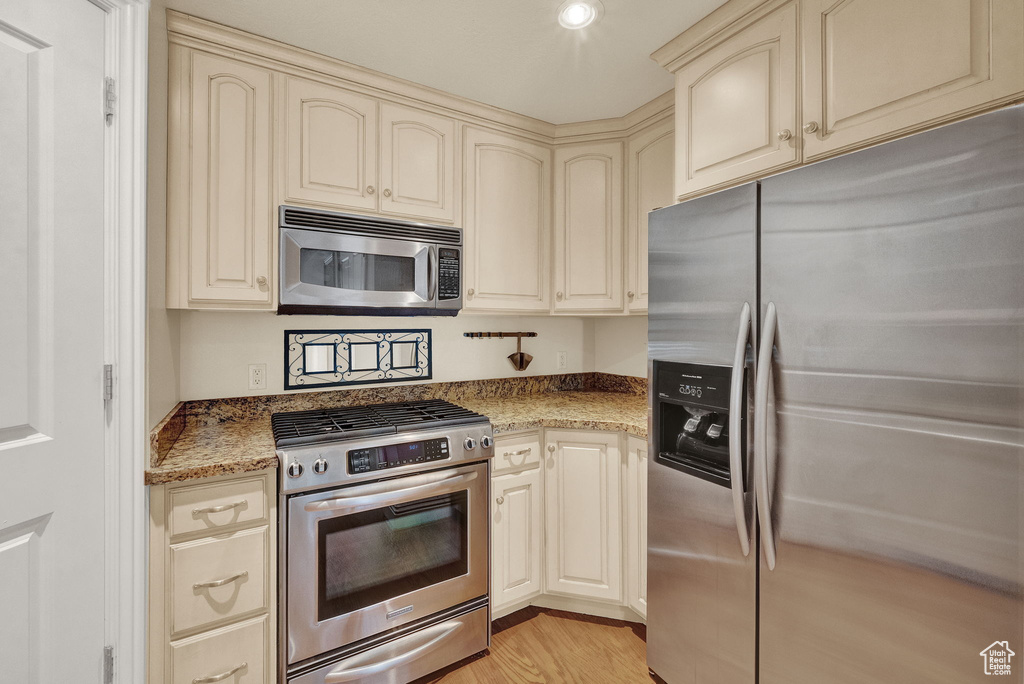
[(368, 226)]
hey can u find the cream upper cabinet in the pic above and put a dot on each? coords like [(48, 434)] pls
[(588, 228), (507, 207), (220, 216), (417, 164), (582, 509), (330, 146), (651, 158), (736, 106), (517, 537), (876, 68), (636, 525)]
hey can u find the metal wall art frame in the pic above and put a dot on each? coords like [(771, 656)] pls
[(336, 358)]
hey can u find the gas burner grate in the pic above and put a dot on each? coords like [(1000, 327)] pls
[(348, 422)]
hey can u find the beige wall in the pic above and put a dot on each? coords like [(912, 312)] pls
[(620, 345), (162, 338)]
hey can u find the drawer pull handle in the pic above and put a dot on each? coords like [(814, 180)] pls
[(196, 512), (220, 677), (220, 583), (521, 452)]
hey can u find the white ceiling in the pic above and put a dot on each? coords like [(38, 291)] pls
[(511, 54)]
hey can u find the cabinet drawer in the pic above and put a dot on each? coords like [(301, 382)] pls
[(516, 452), (238, 649), (213, 579), (217, 505)]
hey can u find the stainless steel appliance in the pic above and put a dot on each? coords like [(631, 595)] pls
[(837, 395), (333, 263), (384, 563)]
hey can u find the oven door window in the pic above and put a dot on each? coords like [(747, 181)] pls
[(357, 271), (369, 557)]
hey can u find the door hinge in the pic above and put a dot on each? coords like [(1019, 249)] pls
[(108, 665), (109, 99), (108, 382)]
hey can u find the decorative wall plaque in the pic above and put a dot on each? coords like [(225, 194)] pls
[(334, 358)]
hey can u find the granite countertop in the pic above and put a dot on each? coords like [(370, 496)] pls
[(218, 437)]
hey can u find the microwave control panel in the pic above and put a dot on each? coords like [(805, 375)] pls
[(448, 280), (394, 455)]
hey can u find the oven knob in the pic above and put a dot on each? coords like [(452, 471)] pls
[(486, 442), (320, 466), (470, 444), (294, 469)]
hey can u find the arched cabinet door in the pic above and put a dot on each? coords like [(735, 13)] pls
[(736, 107), (330, 146), (417, 164)]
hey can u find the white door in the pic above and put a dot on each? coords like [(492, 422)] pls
[(517, 537), (51, 341)]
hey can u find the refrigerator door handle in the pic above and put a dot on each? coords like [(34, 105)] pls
[(761, 388), (737, 462)]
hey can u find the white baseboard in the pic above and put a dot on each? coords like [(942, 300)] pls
[(572, 605)]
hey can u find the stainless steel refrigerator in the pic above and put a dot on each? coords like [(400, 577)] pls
[(836, 489)]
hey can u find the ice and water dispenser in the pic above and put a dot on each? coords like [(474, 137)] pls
[(691, 419)]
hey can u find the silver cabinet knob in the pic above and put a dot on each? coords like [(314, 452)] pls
[(551, 448), (295, 469), (785, 134), (470, 444), (387, 192), (811, 127), (261, 281), (470, 292), (486, 442), (320, 466), (558, 296), (370, 189), (500, 500), (631, 294)]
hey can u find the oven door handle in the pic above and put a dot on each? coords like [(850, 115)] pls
[(374, 496), (363, 665)]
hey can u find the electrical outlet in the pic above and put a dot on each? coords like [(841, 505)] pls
[(563, 360), (257, 376)]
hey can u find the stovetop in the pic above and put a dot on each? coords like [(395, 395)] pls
[(319, 426)]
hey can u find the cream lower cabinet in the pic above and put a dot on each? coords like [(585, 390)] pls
[(582, 512), (220, 217), (651, 156), (874, 69), (507, 227), (517, 537), (736, 107), (588, 228), (636, 524), (213, 580)]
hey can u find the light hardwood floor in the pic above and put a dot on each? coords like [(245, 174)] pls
[(543, 646)]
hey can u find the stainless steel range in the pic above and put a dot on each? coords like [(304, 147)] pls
[(384, 543)]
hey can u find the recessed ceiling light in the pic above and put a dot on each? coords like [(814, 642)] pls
[(575, 14)]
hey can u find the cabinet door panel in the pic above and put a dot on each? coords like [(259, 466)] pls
[(588, 227), (507, 224), (636, 537), (518, 537), (875, 69), (417, 164), (331, 146), (651, 159), (582, 509), (732, 103), (230, 225)]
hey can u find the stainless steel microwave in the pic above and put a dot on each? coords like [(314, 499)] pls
[(334, 263)]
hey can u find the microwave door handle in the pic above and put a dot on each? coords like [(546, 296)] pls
[(363, 665), (432, 273), (357, 498)]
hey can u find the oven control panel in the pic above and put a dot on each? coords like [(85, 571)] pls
[(394, 455), (448, 286)]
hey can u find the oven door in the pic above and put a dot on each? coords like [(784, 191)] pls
[(368, 558), (320, 269)]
